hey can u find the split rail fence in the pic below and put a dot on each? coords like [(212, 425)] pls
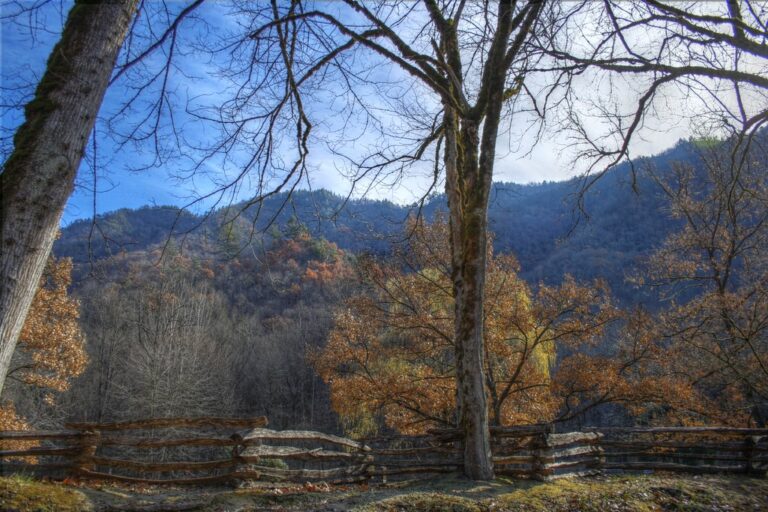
[(215, 450)]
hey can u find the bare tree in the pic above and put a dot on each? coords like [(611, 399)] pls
[(713, 273), (455, 66), (703, 63), (161, 345)]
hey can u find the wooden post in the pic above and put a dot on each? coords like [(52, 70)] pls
[(599, 453), (237, 460), (750, 443), (542, 456), (89, 443), (368, 461)]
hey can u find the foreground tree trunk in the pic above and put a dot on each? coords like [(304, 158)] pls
[(468, 184), (470, 152), (39, 175)]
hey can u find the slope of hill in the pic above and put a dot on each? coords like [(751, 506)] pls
[(540, 223)]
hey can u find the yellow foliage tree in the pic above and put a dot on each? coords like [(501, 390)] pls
[(52, 345), (51, 348), (391, 355)]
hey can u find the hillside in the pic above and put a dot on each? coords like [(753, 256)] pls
[(540, 223)]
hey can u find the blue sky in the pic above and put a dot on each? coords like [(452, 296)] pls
[(119, 185)]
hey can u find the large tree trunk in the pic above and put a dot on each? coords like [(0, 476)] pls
[(469, 160), (467, 192), (469, 275), (39, 176)]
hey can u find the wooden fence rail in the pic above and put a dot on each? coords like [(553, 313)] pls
[(215, 450)]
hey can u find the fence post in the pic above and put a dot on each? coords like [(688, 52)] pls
[(599, 453), (89, 443), (237, 449), (750, 443), (369, 461), (542, 457)]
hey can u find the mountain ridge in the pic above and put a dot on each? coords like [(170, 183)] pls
[(622, 220)]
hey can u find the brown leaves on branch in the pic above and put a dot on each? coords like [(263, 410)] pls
[(714, 275), (560, 351), (51, 349), (390, 357), (10, 420)]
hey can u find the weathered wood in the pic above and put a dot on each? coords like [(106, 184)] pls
[(574, 474), (669, 466), (539, 453), (555, 440), (257, 435), (682, 430), (514, 459), (420, 462), (143, 442), (577, 450), (290, 452), (672, 444), (395, 452), (202, 480), (38, 435), (307, 474), (39, 452), (675, 455), (161, 467), (260, 421), (750, 464), (513, 452), (89, 443), (396, 470), (499, 431), (582, 461)]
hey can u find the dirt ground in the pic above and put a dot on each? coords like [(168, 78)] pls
[(643, 493)]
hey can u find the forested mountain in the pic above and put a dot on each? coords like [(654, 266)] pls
[(232, 314), (255, 301), (622, 217)]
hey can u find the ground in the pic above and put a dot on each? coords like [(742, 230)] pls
[(617, 493)]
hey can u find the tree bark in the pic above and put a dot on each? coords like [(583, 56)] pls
[(469, 161), (467, 193), (39, 175)]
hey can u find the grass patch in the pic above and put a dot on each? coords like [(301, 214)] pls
[(621, 493), (616, 494), (23, 494), (583, 495), (423, 502)]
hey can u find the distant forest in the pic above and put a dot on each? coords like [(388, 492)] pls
[(229, 314), (621, 218)]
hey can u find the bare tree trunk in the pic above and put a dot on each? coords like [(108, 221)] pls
[(467, 201), (39, 175), (469, 275)]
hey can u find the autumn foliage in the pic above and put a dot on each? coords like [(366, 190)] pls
[(713, 273), (51, 345), (10, 420), (51, 349), (390, 355)]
